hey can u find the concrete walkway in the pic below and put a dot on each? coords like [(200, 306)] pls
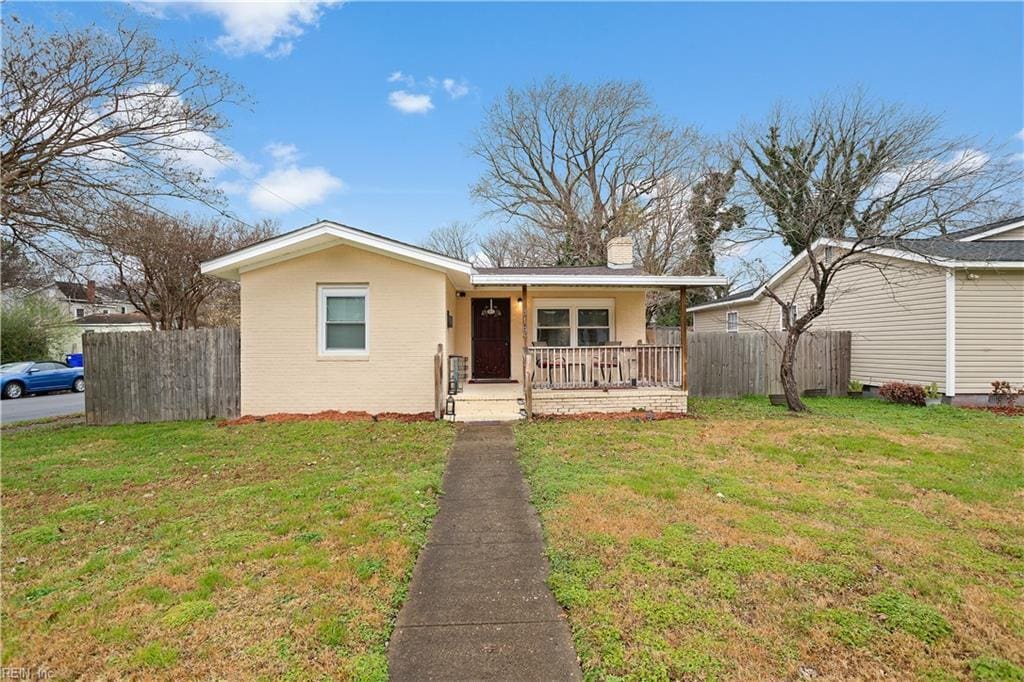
[(479, 606)]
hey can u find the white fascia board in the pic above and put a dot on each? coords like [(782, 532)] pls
[(732, 302), (644, 281), (279, 248), (903, 254), (868, 251), (994, 231)]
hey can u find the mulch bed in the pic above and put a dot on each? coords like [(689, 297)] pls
[(1005, 410), (328, 416), (636, 416)]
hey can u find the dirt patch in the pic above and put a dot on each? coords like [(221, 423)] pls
[(328, 416), (636, 416)]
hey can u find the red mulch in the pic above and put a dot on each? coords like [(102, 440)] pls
[(637, 416), (1005, 410), (329, 416)]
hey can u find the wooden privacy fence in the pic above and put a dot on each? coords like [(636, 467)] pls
[(729, 365), (161, 376)]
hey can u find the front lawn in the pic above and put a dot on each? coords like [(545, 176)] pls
[(863, 541), (187, 550)]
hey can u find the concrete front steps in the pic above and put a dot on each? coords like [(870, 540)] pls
[(490, 403)]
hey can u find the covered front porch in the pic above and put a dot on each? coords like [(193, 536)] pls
[(516, 352)]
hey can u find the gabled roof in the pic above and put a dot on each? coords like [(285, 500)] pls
[(326, 233), (80, 292), (983, 231), (322, 235), (947, 251)]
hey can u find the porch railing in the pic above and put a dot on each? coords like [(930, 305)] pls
[(603, 366)]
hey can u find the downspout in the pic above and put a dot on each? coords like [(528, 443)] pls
[(950, 333)]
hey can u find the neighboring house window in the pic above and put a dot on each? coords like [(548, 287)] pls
[(124, 309), (343, 320), (553, 326), (79, 312), (732, 321), (574, 323)]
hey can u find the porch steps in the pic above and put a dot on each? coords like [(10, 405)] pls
[(487, 408)]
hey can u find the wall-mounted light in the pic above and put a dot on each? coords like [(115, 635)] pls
[(973, 276)]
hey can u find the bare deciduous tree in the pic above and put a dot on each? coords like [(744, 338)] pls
[(518, 248), (93, 117), (155, 259), (456, 239), (858, 177), (578, 164)]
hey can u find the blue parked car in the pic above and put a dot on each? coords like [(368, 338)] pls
[(19, 378)]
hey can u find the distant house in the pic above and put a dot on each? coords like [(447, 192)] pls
[(948, 310), (105, 322), (81, 300)]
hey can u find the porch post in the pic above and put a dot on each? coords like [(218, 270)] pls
[(682, 339), (524, 312)]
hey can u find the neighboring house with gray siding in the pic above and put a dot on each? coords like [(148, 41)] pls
[(948, 310)]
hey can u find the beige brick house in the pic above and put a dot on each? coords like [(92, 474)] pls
[(337, 318), (948, 310)]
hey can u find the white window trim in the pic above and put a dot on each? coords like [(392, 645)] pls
[(574, 305), (737, 314), (325, 290)]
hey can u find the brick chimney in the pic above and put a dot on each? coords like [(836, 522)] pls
[(620, 253), (90, 291)]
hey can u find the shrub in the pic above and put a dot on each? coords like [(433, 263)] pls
[(1003, 391), (33, 328), (903, 394), (855, 386)]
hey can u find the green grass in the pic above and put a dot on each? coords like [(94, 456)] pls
[(862, 540), (187, 550)]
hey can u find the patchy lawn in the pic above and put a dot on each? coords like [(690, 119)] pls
[(184, 549), (865, 540)]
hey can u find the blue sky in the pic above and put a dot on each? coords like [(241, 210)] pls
[(324, 131)]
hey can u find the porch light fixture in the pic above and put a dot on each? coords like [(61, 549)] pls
[(490, 310)]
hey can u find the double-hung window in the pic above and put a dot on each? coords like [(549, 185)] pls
[(553, 326), (732, 321), (343, 320), (581, 322), (593, 326)]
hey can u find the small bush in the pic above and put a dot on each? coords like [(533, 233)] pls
[(903, 394)]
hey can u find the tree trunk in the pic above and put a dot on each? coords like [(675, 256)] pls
[(788, 375)]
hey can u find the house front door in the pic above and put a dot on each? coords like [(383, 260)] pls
[(491, 338)]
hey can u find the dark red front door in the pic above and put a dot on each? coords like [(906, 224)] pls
[(491, 329)]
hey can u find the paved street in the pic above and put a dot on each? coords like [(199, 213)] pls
[(37, 407)]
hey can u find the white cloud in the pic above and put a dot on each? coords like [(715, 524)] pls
[(267, 28), (284, 189), (282, 153), (410, 103), (455, 89), (399, 77), (1020, 134)]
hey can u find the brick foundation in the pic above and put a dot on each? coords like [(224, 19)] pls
[(576, 401)]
